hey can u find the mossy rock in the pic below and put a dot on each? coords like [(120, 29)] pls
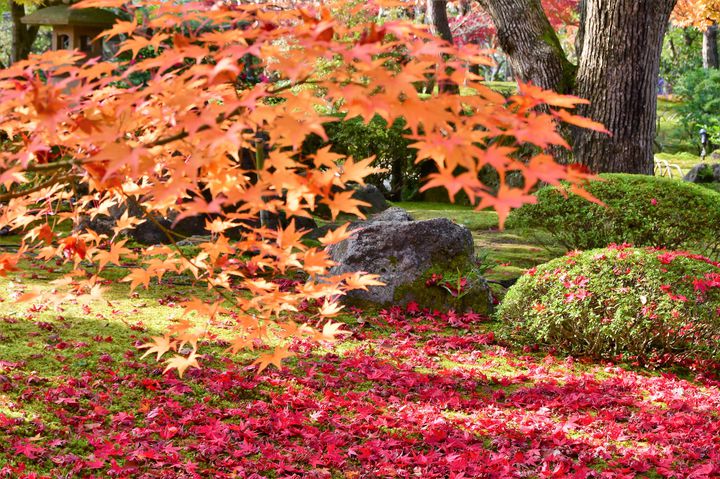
[(404, 253), (475, 296)]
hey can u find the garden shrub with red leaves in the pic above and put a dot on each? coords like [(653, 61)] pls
[(651, 306)]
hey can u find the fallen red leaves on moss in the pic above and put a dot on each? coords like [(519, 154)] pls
[(435, 397)]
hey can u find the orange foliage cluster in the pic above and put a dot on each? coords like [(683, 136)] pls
[(697, 13), (80, 140)]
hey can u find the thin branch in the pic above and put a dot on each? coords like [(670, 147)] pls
[(52, 181), (171, 236), (56, 165)]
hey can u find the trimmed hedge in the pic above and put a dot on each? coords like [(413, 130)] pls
[(641, 210), (647, 305)]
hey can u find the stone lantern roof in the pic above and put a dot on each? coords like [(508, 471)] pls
[(64, 15)]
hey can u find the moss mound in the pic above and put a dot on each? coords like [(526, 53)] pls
[(647, 305), (641, 210)]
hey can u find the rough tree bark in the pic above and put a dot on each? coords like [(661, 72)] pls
[(436, 17), (530, 42), (710, 48), (23, 35), (619, 56)]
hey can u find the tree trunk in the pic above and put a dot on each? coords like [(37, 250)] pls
[(710, 48), (618, 73), (436, 17), (530, 42), (23, 35), (619, 58), (580, 36)]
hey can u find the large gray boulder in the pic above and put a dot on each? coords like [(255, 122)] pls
[(405, 253)]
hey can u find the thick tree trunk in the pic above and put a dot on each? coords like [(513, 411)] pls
[(23, 35), (618, 73), (619, 56), (531, 44), (436, 17), (710, 48)]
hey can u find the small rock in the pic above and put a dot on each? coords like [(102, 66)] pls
[(704, 173)]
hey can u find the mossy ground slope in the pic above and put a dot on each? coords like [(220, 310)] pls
[(410, 393)]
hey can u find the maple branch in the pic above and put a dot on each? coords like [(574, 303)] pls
[(52, 166), (223, 117), (170, 235), (52, 181)]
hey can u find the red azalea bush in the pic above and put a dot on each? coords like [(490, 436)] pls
[(653, 306)]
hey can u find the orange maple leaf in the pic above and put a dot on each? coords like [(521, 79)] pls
[(182, 363), (337, 235), (506, 199), (46, 234), (332, 330), (275, 358), (137, 277), (112, 256), (8, 262), (453, 183), (343, 202), (159, 345)]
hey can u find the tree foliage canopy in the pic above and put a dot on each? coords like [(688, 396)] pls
[(82, 138), (697, 13)]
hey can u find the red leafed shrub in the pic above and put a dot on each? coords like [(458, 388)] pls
[(649, 305)]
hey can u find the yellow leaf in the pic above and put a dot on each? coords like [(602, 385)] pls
[(330, 308), (337, 235), (331, 330)]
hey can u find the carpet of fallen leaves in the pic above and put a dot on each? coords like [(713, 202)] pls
[(410, 394)]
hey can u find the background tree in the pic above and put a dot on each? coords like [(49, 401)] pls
[(618, 51), (23, 35), (681, 53), (23, 39), (703, 14)]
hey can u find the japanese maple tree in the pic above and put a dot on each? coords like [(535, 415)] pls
[(81, 138), (697, 13)]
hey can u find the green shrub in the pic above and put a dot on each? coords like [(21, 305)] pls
[(648, 305), (386, 142), (641, 210), (700, 91), (680, 53)]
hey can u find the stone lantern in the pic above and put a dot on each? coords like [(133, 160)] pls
[(74, 28)]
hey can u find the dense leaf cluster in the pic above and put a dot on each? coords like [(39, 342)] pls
[(227, 83)]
